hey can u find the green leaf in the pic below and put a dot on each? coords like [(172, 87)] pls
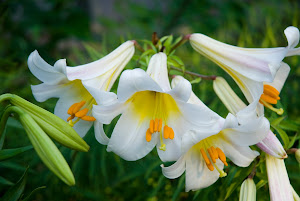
[(277, 121), (288, 125), (35, 190), (237, 180), (283, 135), (179, 188), (10, 153), (15, 192), (6, 182), (261, 183), (292, 141), (2, 140), (196, 81)]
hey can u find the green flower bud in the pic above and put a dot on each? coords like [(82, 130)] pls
[(248, 190), (45, 148), (54, 126)]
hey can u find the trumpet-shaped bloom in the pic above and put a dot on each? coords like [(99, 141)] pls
[(270, 144), (279, 183), (70, 84), (249, 67), (152, 114), (204, 155)]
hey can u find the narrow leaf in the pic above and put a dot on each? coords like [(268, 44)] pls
[(35, 190), (10, 153)]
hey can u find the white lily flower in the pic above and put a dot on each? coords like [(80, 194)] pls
[(249, 67), (204, 155), (270, 144), (70, 84), (279, 184), (152, 114), (248, 190)]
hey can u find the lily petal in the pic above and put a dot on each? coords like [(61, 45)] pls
[(46, 73), (100, 135), (280, 77), (176, 170), (158, 71), (128, 130), (116, 59)]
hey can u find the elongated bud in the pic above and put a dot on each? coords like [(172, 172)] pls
[(272, 146), (46, 149), (279, 183), (54, 126), (297, 155), (248, 190)]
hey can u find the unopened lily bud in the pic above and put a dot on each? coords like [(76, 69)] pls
[(54, 126), (248, 190), (272, 146), (45, 148), (297, 155)]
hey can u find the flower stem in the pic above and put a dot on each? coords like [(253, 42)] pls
[(204, 77), (181, 42), (291, 150)]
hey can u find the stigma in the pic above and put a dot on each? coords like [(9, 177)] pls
[(74, 111), (211, 155), (155, 126), (270, 97)]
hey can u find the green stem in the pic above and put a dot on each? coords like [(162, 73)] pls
[(181, 42), (6, 114), (204, 77), (5, 97)]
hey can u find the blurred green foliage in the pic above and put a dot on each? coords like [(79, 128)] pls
[(64, 29)]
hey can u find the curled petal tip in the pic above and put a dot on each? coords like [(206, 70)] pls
[(134, 42), (187, 36)]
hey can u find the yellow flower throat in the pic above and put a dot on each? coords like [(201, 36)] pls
[(158, 107), (270, 96)]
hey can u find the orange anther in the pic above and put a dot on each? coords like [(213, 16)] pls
[(222, 156), (216, 156), (71, 117), (211, 155), (148, 135), (159, 125), (78, 106), (271, 93), (156, 125), (88, 118), (70, 110), (82, 113), (166, 132), (151, 127), (270, 88), (210, 167), (268, 99), (207, 161), (171, 136)]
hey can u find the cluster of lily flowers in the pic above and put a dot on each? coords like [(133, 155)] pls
[(155, 112)]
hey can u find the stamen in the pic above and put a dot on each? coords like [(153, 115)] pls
[(207, 161), (159, 125), (222, 156), (156, 125), (279, 111), (271, 93), (151, 126), (78, 106), (268, 99), (71, 117), (270, 88), (216, 156), (222, 173), (148, 135), (166, 132), (211, 155), (70, 110), (162, 144), (82, 113), (88, 118), (172, 134)]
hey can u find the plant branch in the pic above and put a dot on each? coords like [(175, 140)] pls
[(204, 77)]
